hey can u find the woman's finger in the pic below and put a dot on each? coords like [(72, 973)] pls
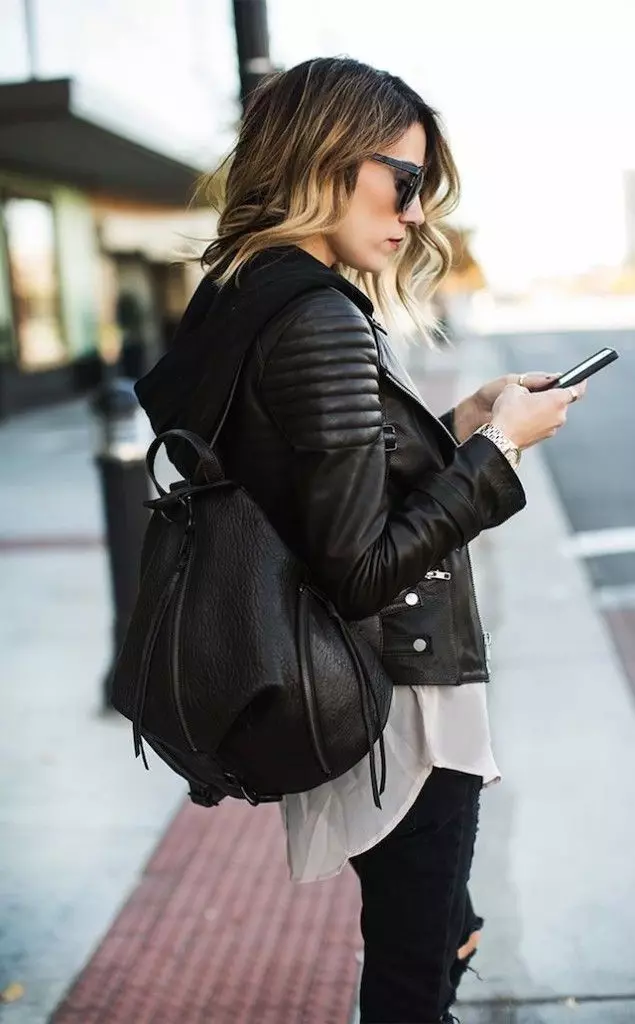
[(535, 379)]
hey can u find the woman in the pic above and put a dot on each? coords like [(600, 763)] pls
[(342, 168)]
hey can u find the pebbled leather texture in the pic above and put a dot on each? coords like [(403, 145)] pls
[(261, 679), (305, 438)]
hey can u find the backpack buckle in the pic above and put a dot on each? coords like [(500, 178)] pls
[(390, 438), (202, 795)]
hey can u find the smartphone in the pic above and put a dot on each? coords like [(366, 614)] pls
[(582, 370)]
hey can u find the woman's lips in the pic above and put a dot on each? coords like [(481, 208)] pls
[(395, 242)]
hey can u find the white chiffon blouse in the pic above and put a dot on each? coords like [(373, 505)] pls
[(427, 727)]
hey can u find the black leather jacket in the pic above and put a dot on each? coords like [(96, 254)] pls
[(364, 483)]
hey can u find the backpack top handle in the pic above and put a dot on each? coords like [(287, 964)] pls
[(209, 462)]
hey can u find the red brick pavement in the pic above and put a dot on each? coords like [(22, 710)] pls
[(216, 933)]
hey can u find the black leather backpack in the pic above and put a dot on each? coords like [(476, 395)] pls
[(235, 669)]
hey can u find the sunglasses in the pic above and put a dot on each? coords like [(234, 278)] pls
[(408, 179)]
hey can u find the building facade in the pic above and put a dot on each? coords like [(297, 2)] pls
[(96, 225)]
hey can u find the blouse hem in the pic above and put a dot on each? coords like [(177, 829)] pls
[(403, 810), (394, 821)]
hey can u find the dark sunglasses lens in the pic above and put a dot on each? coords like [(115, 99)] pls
[(409, 190), (404, 188)]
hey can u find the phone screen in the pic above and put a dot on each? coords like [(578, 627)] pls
[(581, 370)]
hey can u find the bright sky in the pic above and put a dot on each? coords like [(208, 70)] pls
[(538, 97), (539, 101)]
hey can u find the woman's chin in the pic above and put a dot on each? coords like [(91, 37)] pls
[(374, 263)]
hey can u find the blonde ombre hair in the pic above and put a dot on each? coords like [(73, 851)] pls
[(294, 168)]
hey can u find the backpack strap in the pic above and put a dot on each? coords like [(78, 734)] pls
[(208, 462)]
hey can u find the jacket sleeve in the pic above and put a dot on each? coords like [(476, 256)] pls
[(320, 384), (447, 419)]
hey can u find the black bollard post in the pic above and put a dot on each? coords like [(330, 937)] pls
[(252, 44), (120, 461)]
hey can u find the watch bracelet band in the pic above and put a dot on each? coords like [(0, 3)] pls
[(502, 442)]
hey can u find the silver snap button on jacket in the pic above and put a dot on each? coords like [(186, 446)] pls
[(419, 644), (412, 598)]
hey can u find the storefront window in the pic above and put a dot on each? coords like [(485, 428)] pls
[(30, 229)]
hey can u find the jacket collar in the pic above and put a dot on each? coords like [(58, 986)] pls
[(395, 371), (190, 383)]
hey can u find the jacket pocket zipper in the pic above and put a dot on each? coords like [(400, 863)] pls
[(308, 682), (487, 640), (434, 574)]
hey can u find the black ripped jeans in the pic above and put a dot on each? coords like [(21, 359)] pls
[(416, 909)]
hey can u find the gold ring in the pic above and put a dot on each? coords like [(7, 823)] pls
[(521, 379)]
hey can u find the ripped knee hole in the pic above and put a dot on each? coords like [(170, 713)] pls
[(470, 946)]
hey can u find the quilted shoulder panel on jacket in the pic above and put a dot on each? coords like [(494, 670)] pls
[(320, 380)]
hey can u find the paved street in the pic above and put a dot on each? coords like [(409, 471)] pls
[(554, 873), (593, 466), (593, 460)]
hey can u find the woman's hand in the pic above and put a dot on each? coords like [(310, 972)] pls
[(526, 419), (474, 411)]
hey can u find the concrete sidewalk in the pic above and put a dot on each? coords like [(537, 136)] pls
[(103, 888), (79, 818), (555, 872)]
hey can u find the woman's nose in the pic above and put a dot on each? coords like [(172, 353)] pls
[(413, 214)]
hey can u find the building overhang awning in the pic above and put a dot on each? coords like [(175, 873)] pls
[(53, 129)]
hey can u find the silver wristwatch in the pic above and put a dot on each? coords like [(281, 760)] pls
[(502, 442)]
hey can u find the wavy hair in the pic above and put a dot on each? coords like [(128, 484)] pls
[(294, 167)]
